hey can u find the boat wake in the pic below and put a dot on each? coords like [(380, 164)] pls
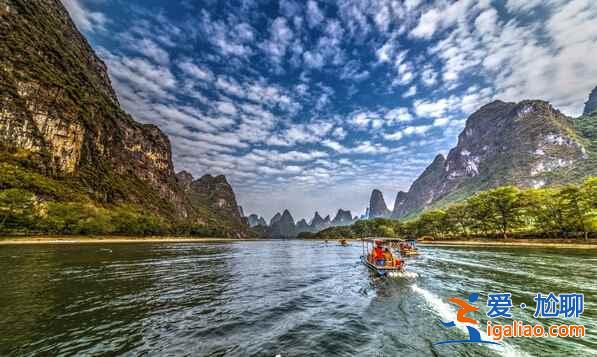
[(447, 313), (403, 274)]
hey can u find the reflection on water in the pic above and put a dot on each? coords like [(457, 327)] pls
[(273, 297)]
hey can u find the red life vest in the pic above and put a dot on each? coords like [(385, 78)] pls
[(378, 253)]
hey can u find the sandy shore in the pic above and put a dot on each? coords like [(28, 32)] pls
[(109, 239), (539, 243)]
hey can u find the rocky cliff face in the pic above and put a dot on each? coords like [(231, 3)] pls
[(255, 220), (57, 105), (275, 219), (317, 223), (283, 227), (377, 205), (60, 117), (213, 199), (302, 226), (591, 104), (399, 203), (342, 218), (527, 144), (419, 194)]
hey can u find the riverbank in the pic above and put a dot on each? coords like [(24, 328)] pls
[(110, 239), (539, 243)]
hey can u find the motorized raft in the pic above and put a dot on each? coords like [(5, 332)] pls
[(409, 248), (382, 256)]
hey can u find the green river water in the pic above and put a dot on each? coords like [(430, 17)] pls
[(267, 298)]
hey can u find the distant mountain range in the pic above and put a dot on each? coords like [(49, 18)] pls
[(283, 225), (526, 144)]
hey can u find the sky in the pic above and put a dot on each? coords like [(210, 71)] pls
[(310, 105)]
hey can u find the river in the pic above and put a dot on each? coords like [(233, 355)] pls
[(263, 298)]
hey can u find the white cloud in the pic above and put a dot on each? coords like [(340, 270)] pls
[(433, 109), (412, 91), (394, 136), (314, 14), (334, 145), (141, 75), (230, 86), (366, 147), (339, 133), (428, 23), (151, 50), (405, 74), (441, 122), (193, 70), (226, 38), (522, 5), (363, 119), (407, 131), (486, 22), (385, 52), (280, 38), (429, 76), (227, 108), (310, 132), (313, 59), (421, 129), (398, 115), (442, 16), (85, 19)]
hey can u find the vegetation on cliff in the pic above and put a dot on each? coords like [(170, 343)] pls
[(71, 159), (506, 211)]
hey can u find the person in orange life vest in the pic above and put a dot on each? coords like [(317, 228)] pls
[(378, 257), (388, 257)]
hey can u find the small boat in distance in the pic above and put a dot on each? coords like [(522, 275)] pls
[(382, 256), (343, 242), (409, 248)]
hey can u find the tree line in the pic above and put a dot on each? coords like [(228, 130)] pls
[(21, 212), (566, 211)]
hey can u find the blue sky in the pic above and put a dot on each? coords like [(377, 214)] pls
[(309, 105)]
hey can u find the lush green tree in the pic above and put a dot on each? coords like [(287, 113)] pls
[(363, 228), (433, 223), (579, 206), (16, 208), (501, 207), (95, 221), (62, 217), (480, 214), (458, 220), (589, 192), (543, 210), (385, 231)]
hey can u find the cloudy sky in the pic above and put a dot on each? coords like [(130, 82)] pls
[(309, 105)]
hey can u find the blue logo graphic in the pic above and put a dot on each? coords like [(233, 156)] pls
[(465, 308)]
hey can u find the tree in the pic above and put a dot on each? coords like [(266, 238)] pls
[(503, 208), (579, 206), (458, 219), (386, 231), (16, 208), (433, 223), (543, 210), (362, 228), (62, 217), (479, 212)]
